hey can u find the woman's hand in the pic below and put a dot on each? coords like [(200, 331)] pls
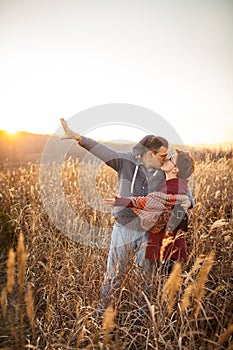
[(186, 205), (109, 201), (69, 134)]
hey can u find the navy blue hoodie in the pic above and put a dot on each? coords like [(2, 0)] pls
[(133, 177)]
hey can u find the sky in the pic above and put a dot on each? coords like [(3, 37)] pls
[(173, 57)]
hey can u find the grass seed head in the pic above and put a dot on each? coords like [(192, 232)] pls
[(10, 271)]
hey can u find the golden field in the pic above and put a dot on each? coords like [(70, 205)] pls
[(50, 283)]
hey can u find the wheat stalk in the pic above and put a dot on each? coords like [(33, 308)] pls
[(21, 262), (166, 242), (172, 286), (199, 291), (4, 301), (225, 335), (10, 271), (30, 305), (108, 323)]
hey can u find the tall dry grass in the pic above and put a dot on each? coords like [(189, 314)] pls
[(50, 284)]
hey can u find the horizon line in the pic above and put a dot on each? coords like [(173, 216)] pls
[(197, 144)]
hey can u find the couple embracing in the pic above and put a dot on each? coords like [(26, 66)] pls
[(151, 207)]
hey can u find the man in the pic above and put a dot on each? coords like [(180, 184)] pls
[(139, 173)]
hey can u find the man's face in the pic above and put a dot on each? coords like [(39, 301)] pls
[(155, 160), (160, 157)]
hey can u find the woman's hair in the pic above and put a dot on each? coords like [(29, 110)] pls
[(185, 163), (150, 143)]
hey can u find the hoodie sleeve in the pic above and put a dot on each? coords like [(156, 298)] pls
[(190, 196), (107, 154)]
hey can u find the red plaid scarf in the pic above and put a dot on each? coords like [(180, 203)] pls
[(155, 209)]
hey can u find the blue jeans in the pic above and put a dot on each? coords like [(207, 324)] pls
[(124, 242)]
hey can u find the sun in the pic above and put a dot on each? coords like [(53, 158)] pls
[(11, 131)]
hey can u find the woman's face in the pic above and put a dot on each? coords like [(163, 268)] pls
[(169, 164)]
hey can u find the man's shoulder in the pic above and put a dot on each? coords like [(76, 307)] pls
[(127, 155)]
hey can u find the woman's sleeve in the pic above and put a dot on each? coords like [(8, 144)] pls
[(131, 202), (123, 202)]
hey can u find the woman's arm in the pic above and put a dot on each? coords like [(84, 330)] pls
[(118, 202), (128, 202)]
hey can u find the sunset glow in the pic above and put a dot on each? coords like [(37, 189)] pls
[(174, 58), (11, 131)]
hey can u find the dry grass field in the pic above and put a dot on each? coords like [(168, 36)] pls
[(50, 284)]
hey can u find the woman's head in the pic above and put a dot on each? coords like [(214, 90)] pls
[(181, 164), (185, 164)]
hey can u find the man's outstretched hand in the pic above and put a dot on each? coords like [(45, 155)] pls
[(69, 134)]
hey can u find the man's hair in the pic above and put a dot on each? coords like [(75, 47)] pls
[(185, 163), (150, 143)]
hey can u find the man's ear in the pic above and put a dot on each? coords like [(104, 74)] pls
[(150, 153)]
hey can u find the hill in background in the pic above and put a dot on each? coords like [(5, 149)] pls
[(24, 147)]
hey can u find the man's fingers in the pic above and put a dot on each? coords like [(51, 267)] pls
[(64, 123), (65, 127), (69, 134)]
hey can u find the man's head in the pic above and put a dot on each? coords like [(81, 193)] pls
[(153, 151), (181, 164)]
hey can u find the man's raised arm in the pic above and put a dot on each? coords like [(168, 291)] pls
[(107, 154)]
